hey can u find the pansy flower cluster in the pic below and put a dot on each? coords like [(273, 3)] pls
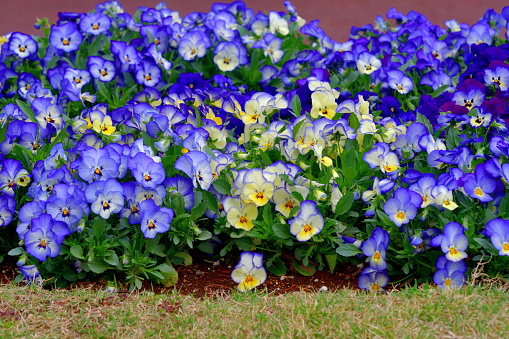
[(129, 141)]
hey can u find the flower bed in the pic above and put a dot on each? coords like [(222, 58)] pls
[(129, 141)]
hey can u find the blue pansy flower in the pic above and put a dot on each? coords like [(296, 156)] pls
[(373, 280), (65, 37), (95, 23), (375, 248), (154, 219), (101, 69), (45, 237), (449, 273), (197, 166), (22, 45), (7, 209), (106, 197)]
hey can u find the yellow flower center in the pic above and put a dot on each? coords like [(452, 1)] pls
[(377, 256), (147, 77), (307, 229), (22, 48), (97, 171), (375, 287), (226, 61), (151, 225), (478, 191), (105, 205), (65, 212), (289, 205), (447, 282), (259, 195), (400, 215), (147, 177), (243, 220), (249, 280), (453, 251), (43, 243), (65, 42), (505, 246), (103, 72)]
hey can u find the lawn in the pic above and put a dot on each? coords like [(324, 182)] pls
[(424, 312)]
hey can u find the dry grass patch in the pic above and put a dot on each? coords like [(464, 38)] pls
[(425, 313)]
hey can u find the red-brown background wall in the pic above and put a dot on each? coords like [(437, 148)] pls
[(336, 17)]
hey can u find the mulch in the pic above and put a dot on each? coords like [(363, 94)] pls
[(212, 278)]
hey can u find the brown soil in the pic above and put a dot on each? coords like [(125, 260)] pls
[(208, 278)]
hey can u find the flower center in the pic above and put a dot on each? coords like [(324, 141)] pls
[(447, 282), (151, 225), (308, 229), (505, 246), (65, 213), (96, 26), (249, 279), (453, 251), (43, 243), (289, 205), (377, 256), (400, 215), (65, 42), (478, 191), (243, 220), (22, 48)]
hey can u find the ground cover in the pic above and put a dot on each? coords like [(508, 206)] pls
[(425, 312)]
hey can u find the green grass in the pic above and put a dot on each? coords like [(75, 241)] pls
[(424, 313)]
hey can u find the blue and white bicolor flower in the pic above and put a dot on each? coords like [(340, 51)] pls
[(197, 166), (249, 272), (106, 197), (45, 237), (22, 45), (154, 219), (65, 37), (308, 222)]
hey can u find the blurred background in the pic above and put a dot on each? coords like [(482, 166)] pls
[(336, 16)]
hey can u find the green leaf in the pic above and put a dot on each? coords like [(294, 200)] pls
[(297, 196), (332, 259), (282, 231), (222, 186), (77, 252), (349, 173), (112, 259), (267, 215), (27, 110), (204, 235), (503, 208), (265, 158), (98, 265), (211, 200), (423, 120), (344, 204), (305, 270), (384, 217), (15, 251), (177, 203), (170, 275), (206, 247), (348, 250), (188, 260), (439, 91), (297, 127), (199, 210), (452, 140), (277, 267), (245, 244), (296, 105), (486, 244)]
